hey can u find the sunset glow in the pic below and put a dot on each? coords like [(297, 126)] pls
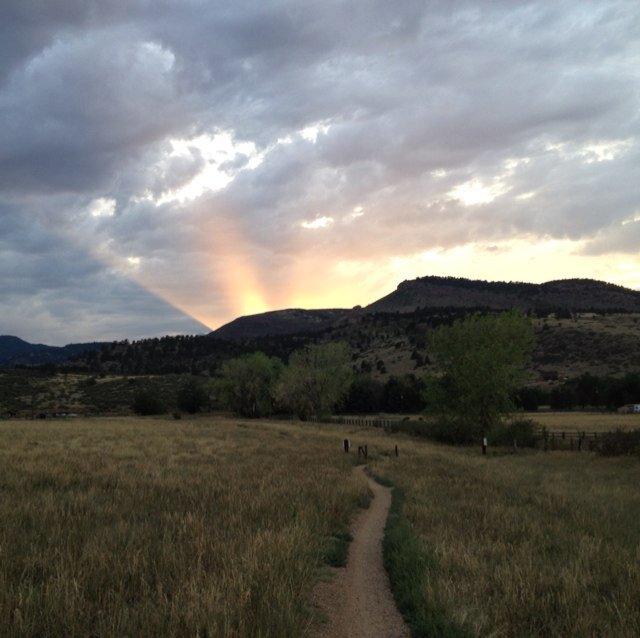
[(166, 169)]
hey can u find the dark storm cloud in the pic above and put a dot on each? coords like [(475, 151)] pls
[(46, 279), (409, 100)]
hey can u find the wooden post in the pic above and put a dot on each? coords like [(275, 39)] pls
[(396, 450), (484, 445), (346, 444)]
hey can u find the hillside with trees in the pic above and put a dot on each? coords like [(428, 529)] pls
[(391, 353), (569, 295)]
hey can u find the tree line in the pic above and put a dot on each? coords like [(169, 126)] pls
[(482, 363), (586, 391)]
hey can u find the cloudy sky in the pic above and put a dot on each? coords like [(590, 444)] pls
[(167, 166)]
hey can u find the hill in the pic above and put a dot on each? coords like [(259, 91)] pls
[(280, 322), (580, 326), (570, 295), (15, 351)]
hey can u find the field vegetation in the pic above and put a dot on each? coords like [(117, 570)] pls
[(586, 421), (527, 544), (213, 527), (157, 527)]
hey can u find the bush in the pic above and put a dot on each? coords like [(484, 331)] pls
[(147, 402), (192, 396), (441, 430), (619, 443), (522, 431)]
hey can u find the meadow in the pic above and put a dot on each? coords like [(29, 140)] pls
[(158, 527), (585, 421), (214, 527), (524, 544)]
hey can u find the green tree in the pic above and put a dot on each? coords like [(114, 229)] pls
[(192, 395), (316, 379), (366, 396), (147, 402), (483, 361), (247, 384)]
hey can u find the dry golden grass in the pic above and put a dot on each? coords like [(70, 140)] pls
[(134, 527), (531, 544), (585, 421), (207, 527)]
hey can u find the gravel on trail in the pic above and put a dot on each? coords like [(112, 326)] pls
[(358, 600)]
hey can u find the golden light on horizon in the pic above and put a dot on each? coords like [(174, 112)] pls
[(232, 271), (226, 275)]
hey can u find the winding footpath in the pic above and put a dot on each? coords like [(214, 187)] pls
[(358, 600)]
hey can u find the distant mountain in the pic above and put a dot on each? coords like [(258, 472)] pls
[(15, 351), (280, 322), (573, 295), (580, 326), (570, 295)]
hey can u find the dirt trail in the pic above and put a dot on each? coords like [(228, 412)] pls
[(358, 600)]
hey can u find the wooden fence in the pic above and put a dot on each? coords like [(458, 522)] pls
[(570, 440)]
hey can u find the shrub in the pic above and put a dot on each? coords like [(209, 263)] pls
[(441, 430), (619, 443), (147, 402), (522, 431), (192, 396)]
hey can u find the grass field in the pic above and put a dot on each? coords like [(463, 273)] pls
[(585, 421), (528, 544), (211, 527), (134, 527)]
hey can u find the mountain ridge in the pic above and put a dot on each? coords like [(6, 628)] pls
[(572, 295), (569, 295), (15, 351), (279, 332), (280, 322)]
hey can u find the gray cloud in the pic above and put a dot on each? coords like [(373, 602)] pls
[(412, 100)]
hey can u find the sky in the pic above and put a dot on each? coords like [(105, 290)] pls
[(168, 166)]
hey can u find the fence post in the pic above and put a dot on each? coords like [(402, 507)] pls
[(396, 450), (484, 445)]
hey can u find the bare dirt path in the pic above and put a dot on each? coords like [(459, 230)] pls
[(358, 599)]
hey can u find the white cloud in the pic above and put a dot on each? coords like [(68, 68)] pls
[(474, 192), (102, 207), (318, 222), (219, 151), (604, 151)]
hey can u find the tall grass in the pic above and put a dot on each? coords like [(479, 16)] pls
[(203, 527), (138, 527), (413, 570), (527, 544), (585, 421)]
